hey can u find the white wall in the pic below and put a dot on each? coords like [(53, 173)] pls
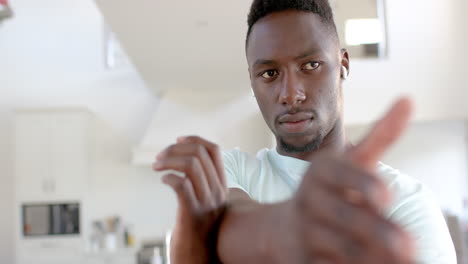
[(424, 61), (436, 154), (51, 55), (464, 41)]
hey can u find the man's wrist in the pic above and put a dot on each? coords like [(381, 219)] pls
[(213, 236), (252, 233)]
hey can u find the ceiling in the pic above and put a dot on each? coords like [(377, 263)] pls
[(183, 44)]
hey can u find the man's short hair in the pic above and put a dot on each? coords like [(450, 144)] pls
[(262, 8)]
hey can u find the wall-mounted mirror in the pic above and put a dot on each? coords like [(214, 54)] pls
[(361, 27)]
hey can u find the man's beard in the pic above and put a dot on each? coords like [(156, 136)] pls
[(309, 147)]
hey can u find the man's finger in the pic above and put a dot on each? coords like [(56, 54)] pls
[(184, 190), (383, 134), (199, 151), (214, 152), (192, 168)]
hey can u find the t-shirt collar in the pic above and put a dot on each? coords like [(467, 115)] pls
[(292, 166)]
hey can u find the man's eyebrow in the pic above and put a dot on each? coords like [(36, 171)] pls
[(264, 62), (308, 53)]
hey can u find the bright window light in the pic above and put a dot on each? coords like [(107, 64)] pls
[(363, 31)]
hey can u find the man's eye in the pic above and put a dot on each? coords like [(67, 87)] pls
[(312, 65), (270, 74)]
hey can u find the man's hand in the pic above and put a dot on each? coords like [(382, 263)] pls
[(335, 217), (338, 209), (201, 195)]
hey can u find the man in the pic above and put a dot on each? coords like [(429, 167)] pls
[(315, 198)]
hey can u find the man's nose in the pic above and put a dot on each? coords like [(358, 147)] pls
[(292, 91)]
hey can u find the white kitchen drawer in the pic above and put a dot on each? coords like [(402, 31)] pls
[(122, 257), (57, 258)]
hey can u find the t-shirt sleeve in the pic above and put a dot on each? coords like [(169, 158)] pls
[(417, 211), (233, 170)]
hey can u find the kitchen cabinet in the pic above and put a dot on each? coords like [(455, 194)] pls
[(69, 149), (52, 258), (52, 154), (31, 158)]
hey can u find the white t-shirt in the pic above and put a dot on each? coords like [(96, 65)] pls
[(271, 177)]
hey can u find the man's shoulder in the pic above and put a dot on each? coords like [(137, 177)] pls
[(407, 191), (416, 209), (397, 180)]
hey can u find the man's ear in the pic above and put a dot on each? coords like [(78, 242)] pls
[(345, 63)]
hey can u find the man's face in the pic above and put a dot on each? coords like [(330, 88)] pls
[(295, 64)]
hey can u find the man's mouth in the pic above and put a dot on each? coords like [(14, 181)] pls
[(296, 123)]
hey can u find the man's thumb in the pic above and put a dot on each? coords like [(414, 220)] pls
[(384, 134)]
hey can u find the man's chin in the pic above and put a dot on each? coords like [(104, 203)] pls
[(300, 147)]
